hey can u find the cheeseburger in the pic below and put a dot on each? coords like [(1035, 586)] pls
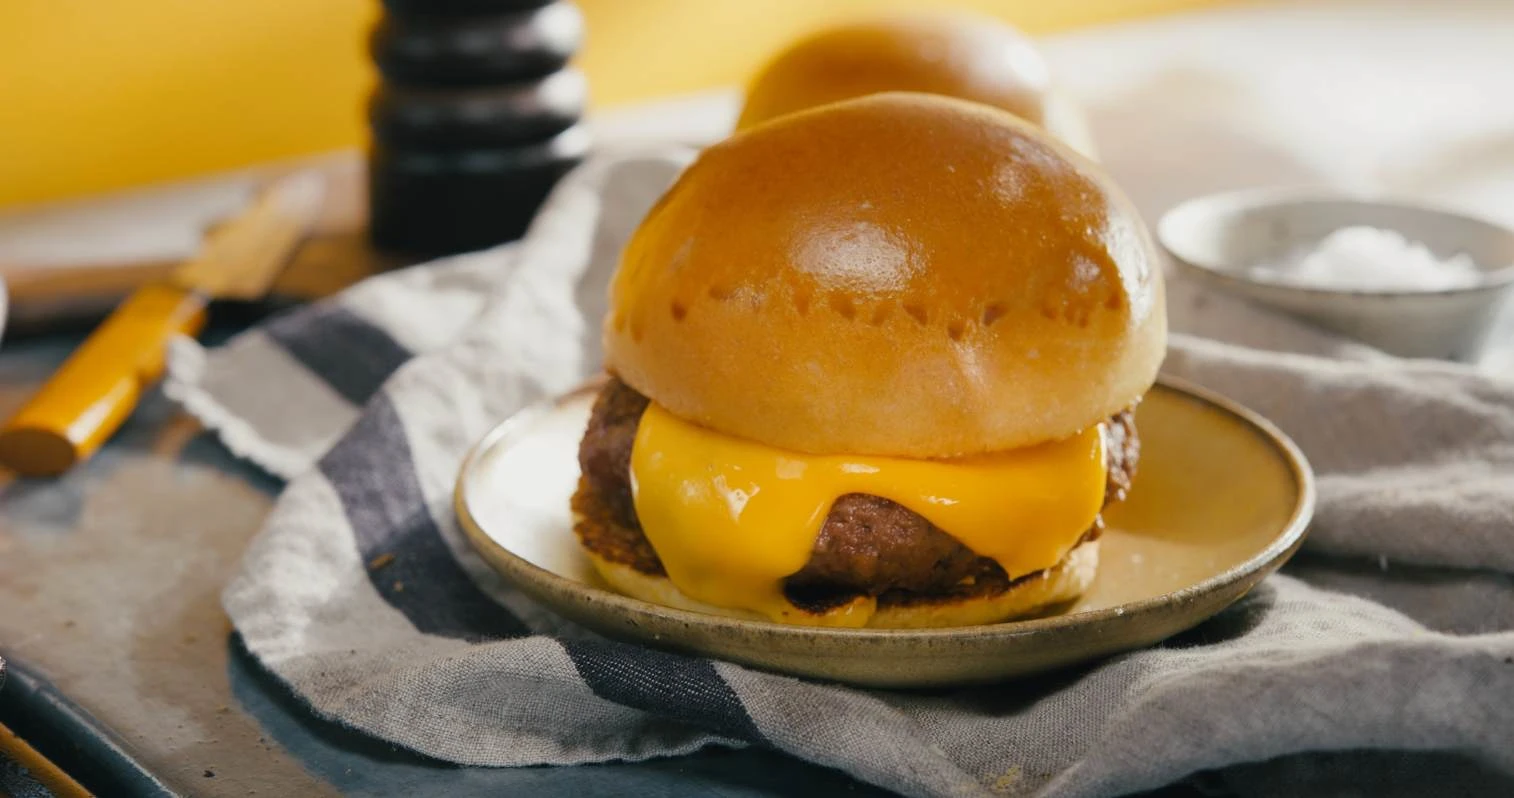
[(872, 364), (958, 55)]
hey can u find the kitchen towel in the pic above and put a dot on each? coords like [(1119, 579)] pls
[(1390, 632)]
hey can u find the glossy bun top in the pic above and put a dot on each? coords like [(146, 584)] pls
[(900, 274)]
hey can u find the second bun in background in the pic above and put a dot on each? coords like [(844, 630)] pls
[(961, 55)]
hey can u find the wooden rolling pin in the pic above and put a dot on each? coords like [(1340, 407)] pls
[(84, 403)]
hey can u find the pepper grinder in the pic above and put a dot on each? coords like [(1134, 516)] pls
[(476, 117)]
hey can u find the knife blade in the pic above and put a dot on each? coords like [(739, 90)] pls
[(97, 388)]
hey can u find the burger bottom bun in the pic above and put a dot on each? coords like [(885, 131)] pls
[(1030, 595)]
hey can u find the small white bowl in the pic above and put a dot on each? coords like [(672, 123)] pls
[(1217, 239)]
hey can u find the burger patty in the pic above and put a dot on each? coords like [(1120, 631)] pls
[(868, 544)]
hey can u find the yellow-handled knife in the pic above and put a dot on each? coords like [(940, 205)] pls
[(99, 385)]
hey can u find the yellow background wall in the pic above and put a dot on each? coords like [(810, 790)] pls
[(103, 94)]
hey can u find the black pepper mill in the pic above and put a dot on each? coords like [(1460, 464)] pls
[(476, 118)]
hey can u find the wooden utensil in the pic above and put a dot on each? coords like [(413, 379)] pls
[(99, 385)]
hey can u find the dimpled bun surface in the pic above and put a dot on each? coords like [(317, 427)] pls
[(900, 274), (961, 55)]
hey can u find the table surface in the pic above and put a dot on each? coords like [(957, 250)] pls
[(109, 584), (110, 576)]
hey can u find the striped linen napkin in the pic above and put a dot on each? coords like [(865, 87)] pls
[(1385, 649)]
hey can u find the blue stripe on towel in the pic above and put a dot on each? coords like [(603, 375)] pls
[(682, 688), (352, 355), (408, 562)]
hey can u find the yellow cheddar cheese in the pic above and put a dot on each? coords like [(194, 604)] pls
[(731, 518)]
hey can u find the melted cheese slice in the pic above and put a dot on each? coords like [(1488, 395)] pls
[(731, 518)]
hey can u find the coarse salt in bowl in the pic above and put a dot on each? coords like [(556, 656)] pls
[(1410, 280), (1370, 259)]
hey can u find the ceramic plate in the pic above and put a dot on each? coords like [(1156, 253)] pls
[(1221, 499)]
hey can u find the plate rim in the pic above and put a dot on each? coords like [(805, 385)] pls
[(518, 570)]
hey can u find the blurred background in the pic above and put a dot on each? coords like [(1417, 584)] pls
[(100, 96)]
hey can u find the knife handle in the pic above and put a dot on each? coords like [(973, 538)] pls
[(99, 385)]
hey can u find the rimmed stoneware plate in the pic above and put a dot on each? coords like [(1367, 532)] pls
[(1221, 499)]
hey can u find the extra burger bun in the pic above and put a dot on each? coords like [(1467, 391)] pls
[(1064, 582), (899, 274), (959, 55)]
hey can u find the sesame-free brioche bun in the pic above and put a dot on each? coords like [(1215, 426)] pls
[(968, 56), (899, 274)]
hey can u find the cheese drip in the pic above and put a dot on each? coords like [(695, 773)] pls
[(731, 518)]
